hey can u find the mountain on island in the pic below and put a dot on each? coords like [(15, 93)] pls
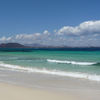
[(12, 45), (30, 47)]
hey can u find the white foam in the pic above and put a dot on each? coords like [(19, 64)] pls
[(53, 72), (71, 62)]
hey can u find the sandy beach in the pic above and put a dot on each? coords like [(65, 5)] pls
[(12, 92), (49, 49), (16, 85)]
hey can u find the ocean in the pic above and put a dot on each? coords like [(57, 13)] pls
[(75, 64)]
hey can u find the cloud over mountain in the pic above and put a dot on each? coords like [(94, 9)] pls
[(85, 34)]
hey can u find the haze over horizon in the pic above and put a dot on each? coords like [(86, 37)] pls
[(50, 22)]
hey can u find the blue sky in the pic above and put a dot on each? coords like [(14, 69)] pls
[(29, 17)]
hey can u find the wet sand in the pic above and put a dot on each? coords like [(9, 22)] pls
[(32, 86)]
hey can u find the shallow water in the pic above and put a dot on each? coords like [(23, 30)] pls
[(77, 64)]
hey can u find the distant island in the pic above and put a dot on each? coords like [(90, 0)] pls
[(12, 45), (30, 47)]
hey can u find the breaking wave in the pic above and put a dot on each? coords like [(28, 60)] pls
[(72, 62), (52, 72)]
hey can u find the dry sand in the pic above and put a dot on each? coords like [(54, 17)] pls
[(15, 92), (11, 92)]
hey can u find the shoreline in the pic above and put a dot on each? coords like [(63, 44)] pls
[(78, 75)]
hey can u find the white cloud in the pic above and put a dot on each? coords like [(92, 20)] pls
[(27, 36), (85, 28), (85, 34), (46, 32), (3, 39)]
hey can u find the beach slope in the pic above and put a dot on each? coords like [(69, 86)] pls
[(12, 92)]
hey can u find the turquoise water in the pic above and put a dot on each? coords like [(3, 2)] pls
[(78, 64)]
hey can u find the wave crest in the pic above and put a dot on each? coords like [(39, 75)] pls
[(71, 62)]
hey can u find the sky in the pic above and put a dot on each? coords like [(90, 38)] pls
[(50, 22)]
